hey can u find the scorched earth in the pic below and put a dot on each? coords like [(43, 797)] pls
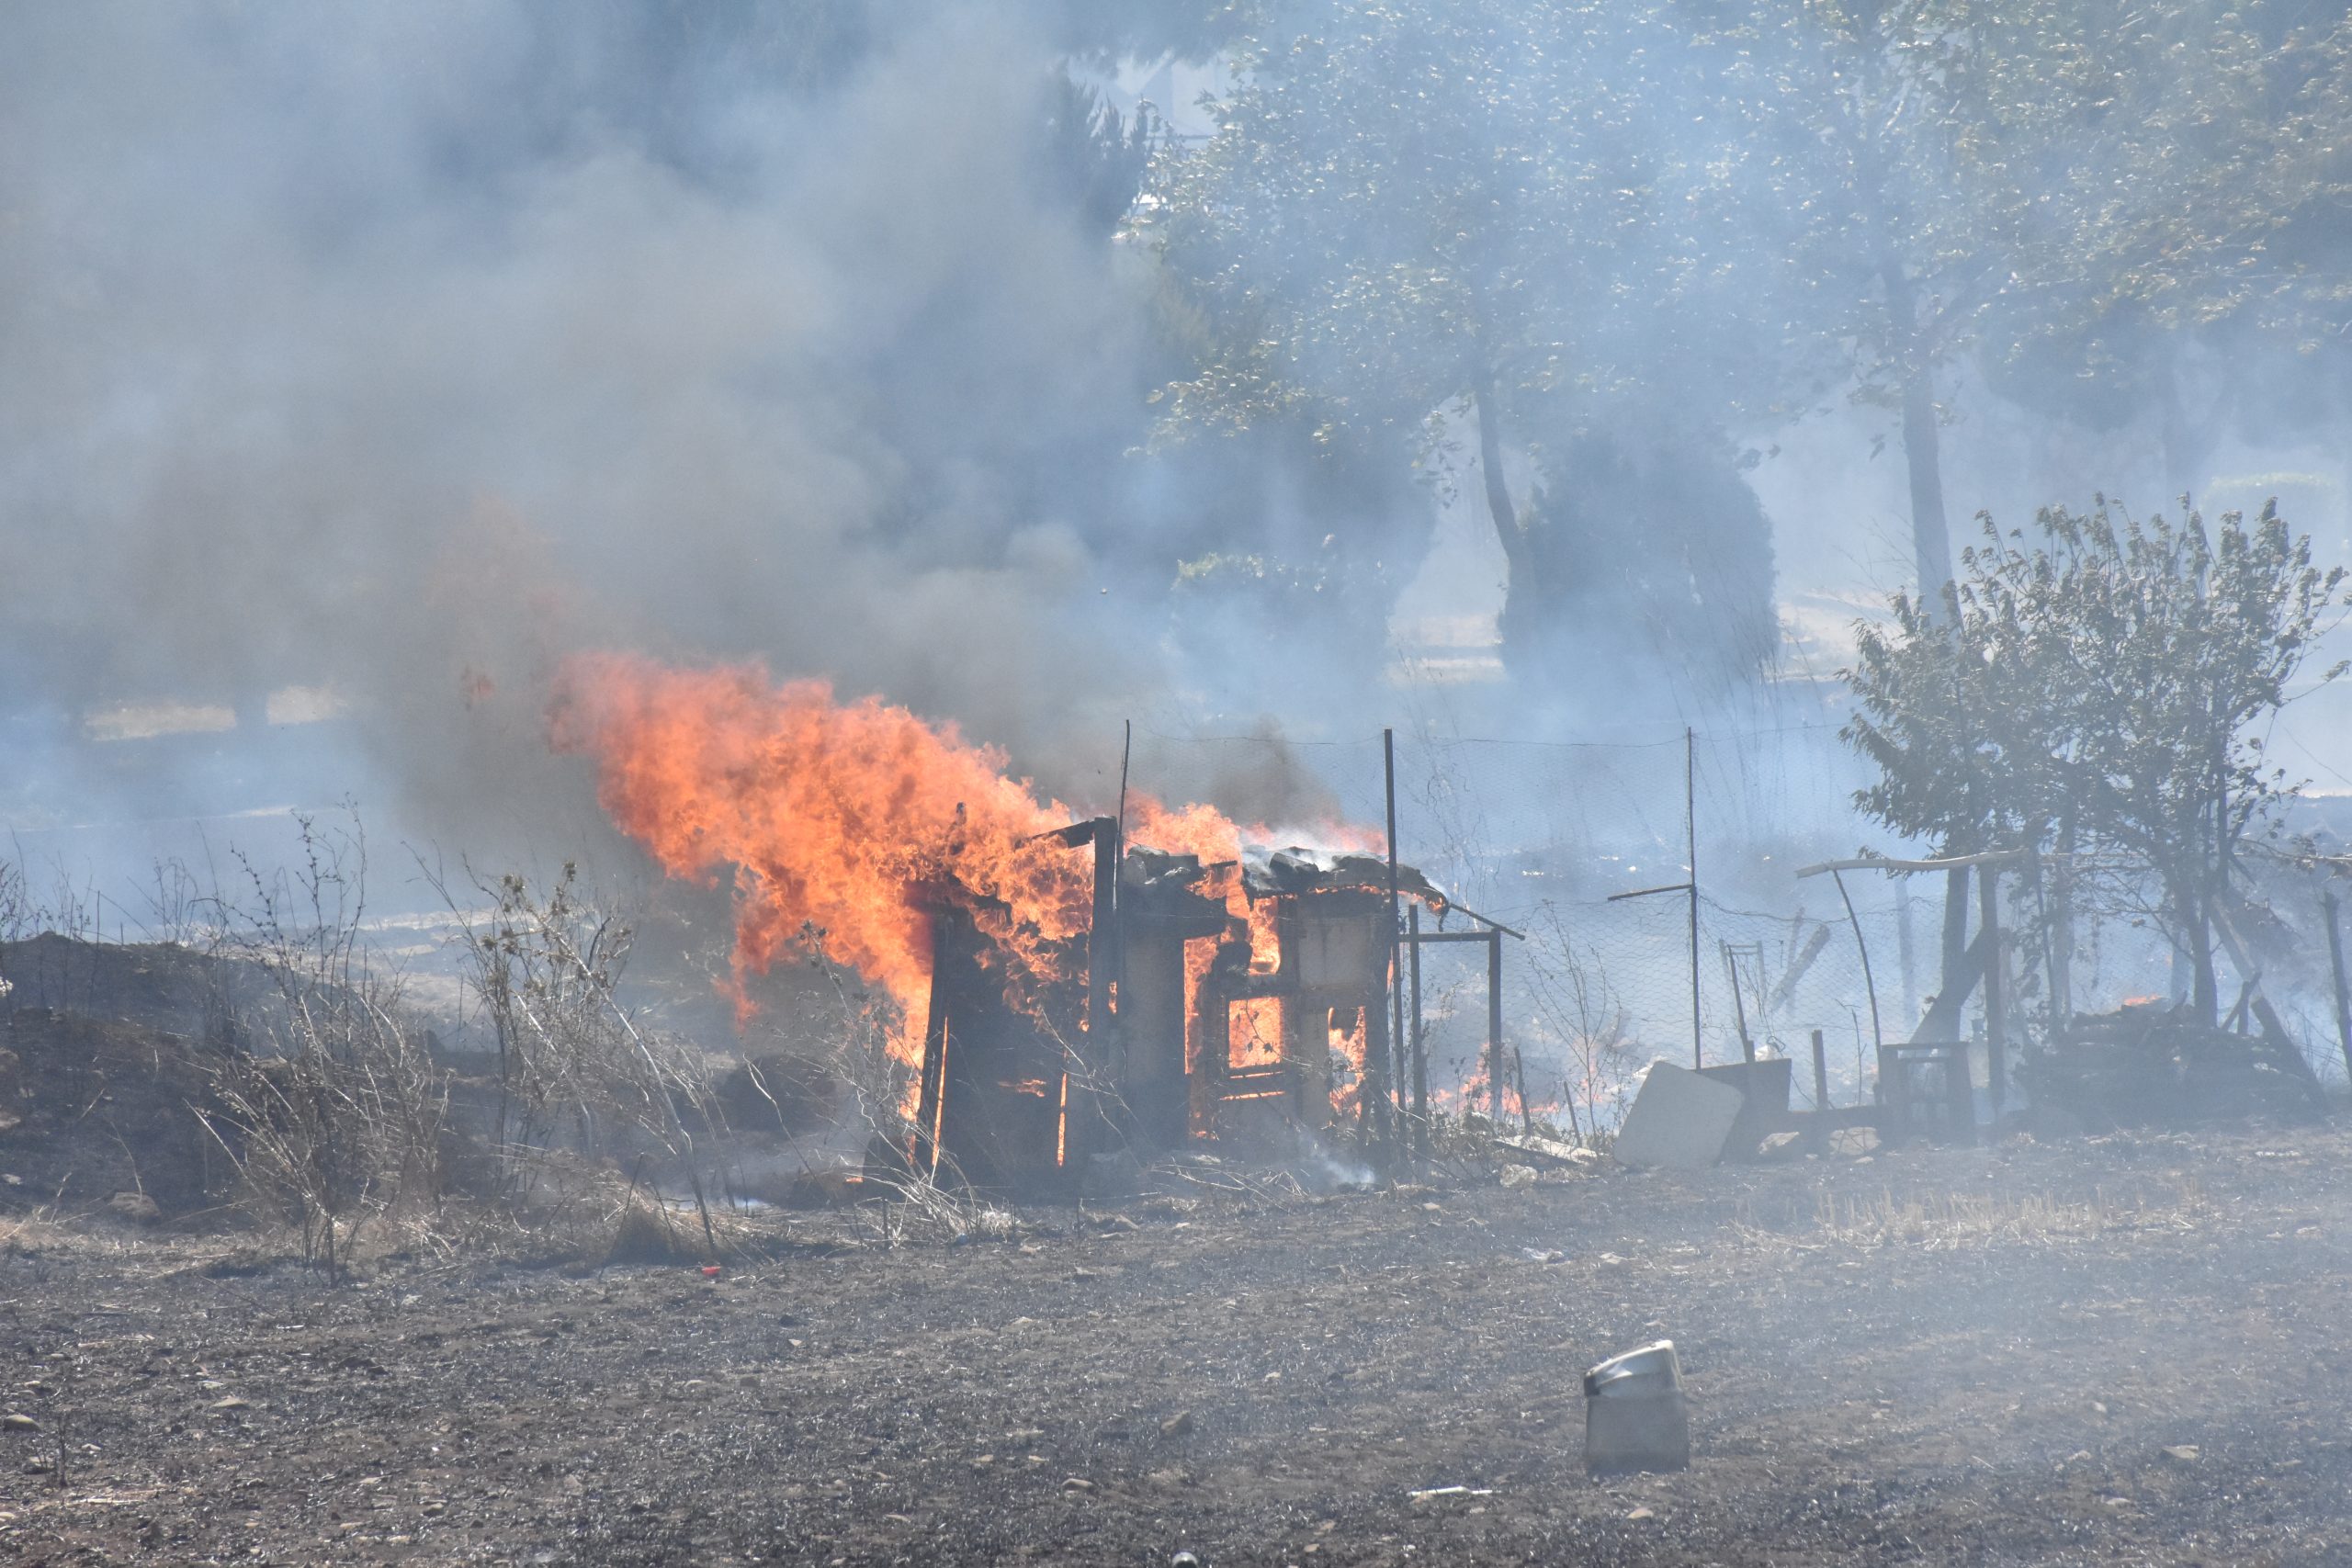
[(2129, 1349)]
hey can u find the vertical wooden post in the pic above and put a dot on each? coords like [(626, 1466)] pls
[(1738, 1004), (1955, 937), (1820, 1090), (1907, 965), (2336, 962), (932, 1102), (1494, 1019), (1519, 1076), (1419, 1042), (1996, 1065), (1098, 1065)]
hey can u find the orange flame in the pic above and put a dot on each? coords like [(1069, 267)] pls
[(1256, 1032), (832, 814), (835, 816), (1346, 1031)]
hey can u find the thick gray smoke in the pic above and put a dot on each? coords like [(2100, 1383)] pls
[(401, 349)]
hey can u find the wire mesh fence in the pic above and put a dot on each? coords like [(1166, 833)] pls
[(1588, 854)]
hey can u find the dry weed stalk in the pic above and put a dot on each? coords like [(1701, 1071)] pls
[(331, 1110), (545, 974), (860, 1055)]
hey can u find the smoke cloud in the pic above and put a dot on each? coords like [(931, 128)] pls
[(396, 352), (401, 349)]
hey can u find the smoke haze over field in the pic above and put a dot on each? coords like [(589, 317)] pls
[(397, 351), (400, 349)]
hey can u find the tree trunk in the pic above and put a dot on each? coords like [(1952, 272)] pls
[(2207, 996), (1930, 536), (2188, 437), (1922, 440), (2204, 996), (1922, 454), (1955, 949), (1490, 467), (2183, 453), (2062, 933)]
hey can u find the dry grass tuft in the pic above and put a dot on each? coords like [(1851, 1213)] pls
[(31, 1234), (1942, 1221)]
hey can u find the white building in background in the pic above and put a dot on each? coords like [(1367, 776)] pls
[(1171, 86)]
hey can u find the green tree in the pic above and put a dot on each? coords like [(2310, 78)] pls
[(1421, 215), (2222, 230), (1095, 157), (1969, 176), (2104, 681), (1953, 158)]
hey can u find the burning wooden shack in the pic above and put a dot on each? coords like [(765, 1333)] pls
[(1046, 993), (1239, 1000)]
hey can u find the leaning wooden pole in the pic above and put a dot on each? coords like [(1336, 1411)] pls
[(1870, 983)]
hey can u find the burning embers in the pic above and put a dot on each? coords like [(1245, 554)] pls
[(1055, 990)]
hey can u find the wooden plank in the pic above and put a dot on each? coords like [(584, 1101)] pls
[(1942, 1021), (1997, 1040), (1798, 965), (2274, 1028), (1880, 863)]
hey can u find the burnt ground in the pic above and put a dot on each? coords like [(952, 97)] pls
[(1947, 1356)]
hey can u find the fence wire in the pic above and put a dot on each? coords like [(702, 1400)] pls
[(1539, 836)]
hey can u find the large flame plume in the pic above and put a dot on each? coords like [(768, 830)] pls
[(837, 817)]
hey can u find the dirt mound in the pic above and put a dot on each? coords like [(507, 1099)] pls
[(163, 986), (92, 1107), (781, 1091)]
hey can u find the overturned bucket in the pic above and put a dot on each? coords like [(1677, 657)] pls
[(1634, 1414)]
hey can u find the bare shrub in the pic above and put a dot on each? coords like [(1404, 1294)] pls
[(330, 1109), (544, 972), (18, 913), (858, 1053), (1582, 1010), (177, 905)]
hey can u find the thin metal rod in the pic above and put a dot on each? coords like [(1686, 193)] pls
[(1487, 921), (1127, 752), (1877, 1038), (1690, 842), (1646, 892), (1396, 934)]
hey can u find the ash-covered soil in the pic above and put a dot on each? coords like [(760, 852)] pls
[(2135, 1349)]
